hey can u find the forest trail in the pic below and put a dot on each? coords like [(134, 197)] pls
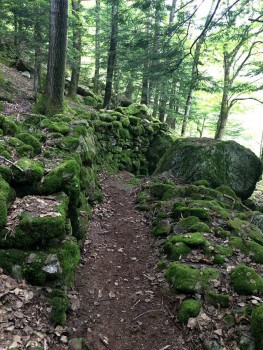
[(124, 301)]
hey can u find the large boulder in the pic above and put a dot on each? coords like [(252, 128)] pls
[(218, 162)]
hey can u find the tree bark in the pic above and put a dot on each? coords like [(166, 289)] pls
[(224, 110), (97, 49), (54, 94), (75, 70), (112, 53), (37, 63)]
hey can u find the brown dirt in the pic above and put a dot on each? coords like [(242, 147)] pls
[(124, 302)]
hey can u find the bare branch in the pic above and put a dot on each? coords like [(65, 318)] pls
[(235, 100)]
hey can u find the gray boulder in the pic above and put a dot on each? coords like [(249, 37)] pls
[(218, 162)]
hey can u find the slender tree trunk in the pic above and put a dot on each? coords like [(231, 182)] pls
[(172, 12), (97, 49), (75, 71), (116, 85), (194, 75), (37, 63), (145, 85), (224, 110), (129, 90), (55, 83), (156, 101), (112, 53)]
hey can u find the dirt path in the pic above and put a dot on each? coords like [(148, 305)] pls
[(124, 303)]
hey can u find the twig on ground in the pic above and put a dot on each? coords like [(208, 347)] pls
[(4, 160), (165, 347), (144, 313), (133, 306)]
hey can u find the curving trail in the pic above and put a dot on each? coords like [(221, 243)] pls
[(124, 301)]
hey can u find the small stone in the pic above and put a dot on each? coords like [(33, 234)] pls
[(64, 339)]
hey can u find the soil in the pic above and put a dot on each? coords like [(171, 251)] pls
[(124, 302)]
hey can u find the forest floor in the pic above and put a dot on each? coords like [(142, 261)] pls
[(120, 300)]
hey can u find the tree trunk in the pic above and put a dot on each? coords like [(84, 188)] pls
[(54, 94), (112, 53), (97, 49), (37, 63), (172, 12), (129, 90), (224, 110), (75, 70), (145, 85)]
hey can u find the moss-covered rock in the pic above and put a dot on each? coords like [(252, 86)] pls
[(189, 308), (32, 171), (39, 221), (55, 126), (189, 280), (55, 266), (218, 162), (59, 303), (188, 222), (218, 300), (161, 228), (29, 139), (190, 239), (60, 176), (257, 326), (6, 173), (199, 227), (176, 250), (246, 281)]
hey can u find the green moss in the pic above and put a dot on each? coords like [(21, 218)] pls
[(6, 173), (68, 143), (246, 281), (257, 326), (245, 229), (60, 127), (60, 176), (35, 230), (9, 127), (33, 171), (190, 239), (218, 300), (188, 222), (257, 251), (199, 227), (161, 228), (29, 139), (5, 193), (69, 256), (161, 265), (175, 251), (228, 191), (189, 280), (189, 308), (219, 231), (59, 302), (10, 258), (201, 183)]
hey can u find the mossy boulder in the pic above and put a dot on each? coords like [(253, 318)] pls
[(218, 300), (32, 171), (190, 239), (29, 139), (246, 280), (218, 162), (55, 266), (184, 279), (60, 176), (55, 126), (257, 326), (175, 250), (59, 303), (38, 221), (189, 308), (5, 198)]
